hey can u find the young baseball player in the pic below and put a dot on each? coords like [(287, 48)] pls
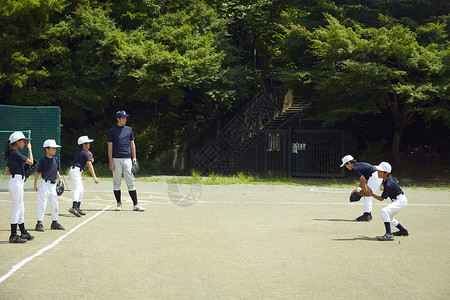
[(83, 158), (398, 202), (367, 174), (122, 155), (15, 168), (49, 169)]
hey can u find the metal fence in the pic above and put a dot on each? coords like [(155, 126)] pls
[(38, 122), (293, 153)]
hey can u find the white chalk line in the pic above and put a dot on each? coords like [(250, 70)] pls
[(313, 203), (48, 247), (168, 201)]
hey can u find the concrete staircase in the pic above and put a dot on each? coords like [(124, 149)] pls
[(293, 115)]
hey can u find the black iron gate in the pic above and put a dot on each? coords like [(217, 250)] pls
[(293, 153)]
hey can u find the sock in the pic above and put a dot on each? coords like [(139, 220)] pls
[(400, 227), (78, 204), (117, 195), (22, 228), (133, 196), (74, 204), (13, 229), (388, 227)]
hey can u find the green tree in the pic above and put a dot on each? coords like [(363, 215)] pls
[(388, 69)]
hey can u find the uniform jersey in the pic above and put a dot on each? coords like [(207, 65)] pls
[(81, 157), (48, 167), (16, 162), (121, 137), (391, 188), (363, 169)]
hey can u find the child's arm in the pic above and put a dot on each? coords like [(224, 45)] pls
[(7, 171), (36, 177), (377, 197), (30, 160), (91, 155), (57, 175), (91, 169), (363, 181)]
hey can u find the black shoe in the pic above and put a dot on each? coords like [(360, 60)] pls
[(17, 239), (27, 236), (57, 226), (39, 227), (386, 237), (81, 212), (366, 217), (74, 212), (401, 233)]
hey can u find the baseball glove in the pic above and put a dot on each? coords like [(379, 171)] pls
[(135, 167), (59, 188), (355, 197), (364, 191), (30, 169)]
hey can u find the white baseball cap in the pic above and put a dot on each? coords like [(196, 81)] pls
[(346, 159), (84, 139), (384, 166), (16, 136), (50, 143)]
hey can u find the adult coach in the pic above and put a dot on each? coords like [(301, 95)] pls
[(121, 155), (367, 174)]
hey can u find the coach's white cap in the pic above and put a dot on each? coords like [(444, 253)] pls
[(16, 136), (346, 159), (84, 139), (384, 166), (50, 143)]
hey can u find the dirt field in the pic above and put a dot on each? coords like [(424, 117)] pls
[(235, 242)]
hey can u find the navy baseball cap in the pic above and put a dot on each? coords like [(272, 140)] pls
[(121, 114)]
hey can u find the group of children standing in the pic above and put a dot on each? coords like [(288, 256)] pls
[(48, 169)]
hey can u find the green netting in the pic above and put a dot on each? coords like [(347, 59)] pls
[(38, 122)]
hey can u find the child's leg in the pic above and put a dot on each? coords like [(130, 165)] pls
[(16, 191), (78, 189), (41, 202), (53, 197), (373, 183), (389, 212)]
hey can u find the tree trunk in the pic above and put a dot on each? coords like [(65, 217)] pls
[(403, 118), (396, 140)]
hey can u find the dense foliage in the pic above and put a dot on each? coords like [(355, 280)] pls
[(179, 66)]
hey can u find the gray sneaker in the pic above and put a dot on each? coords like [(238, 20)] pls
[(39, 227), (74, 212), (17, 239), (81, 212), (386, 237), (57, 226), (27, 236), (401, 233)]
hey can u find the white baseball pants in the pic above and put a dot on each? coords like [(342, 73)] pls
[(47, 191), (15, 186), (374, 183), (389, 212), (78, 189), (123, 166)]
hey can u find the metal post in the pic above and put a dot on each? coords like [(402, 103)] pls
[(289, 152)]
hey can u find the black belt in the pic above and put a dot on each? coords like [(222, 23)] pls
[(73, 167), (50, 181), (14, 175)]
